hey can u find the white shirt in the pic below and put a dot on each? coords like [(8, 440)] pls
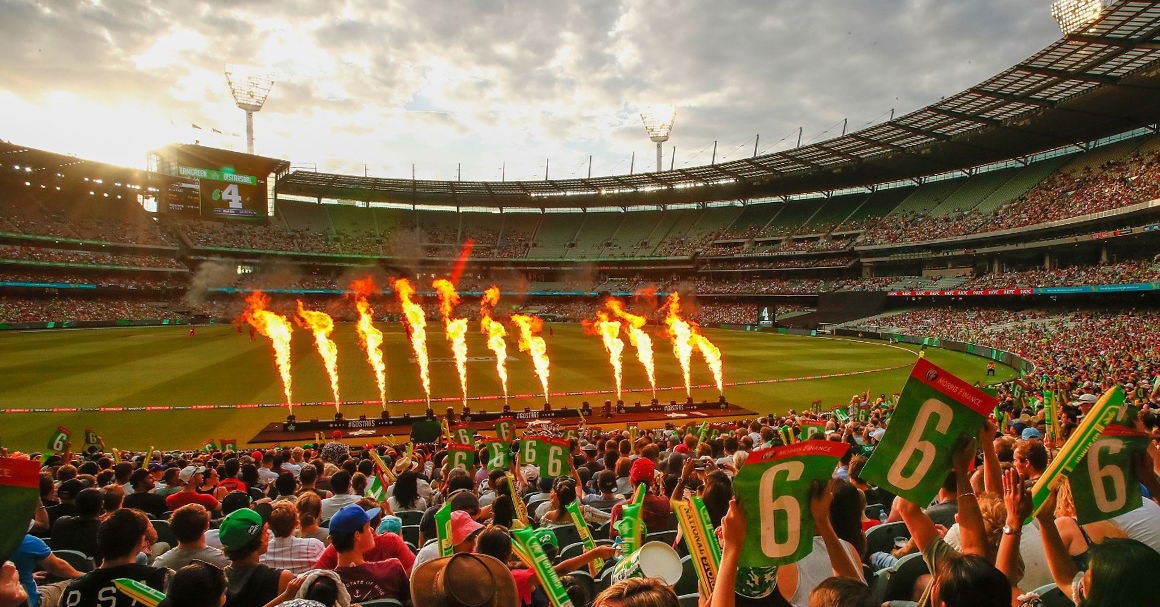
[(297, 554), (1142, 524), (816, 568), (331, 505), (1036, 572), (267, 476), (429, 552)]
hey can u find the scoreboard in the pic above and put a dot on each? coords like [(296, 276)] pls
[(213, 184)]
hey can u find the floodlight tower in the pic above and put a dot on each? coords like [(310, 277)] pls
[(250, 88), (1075, 16), (658, 123)]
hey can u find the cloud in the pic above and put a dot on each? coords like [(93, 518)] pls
[(489, 83)]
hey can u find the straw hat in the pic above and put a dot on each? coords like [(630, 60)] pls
[(464, 580)]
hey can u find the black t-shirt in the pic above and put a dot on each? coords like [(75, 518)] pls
[(251, 586), (96, 588), (76, 533), (150, 503), (59, 510)]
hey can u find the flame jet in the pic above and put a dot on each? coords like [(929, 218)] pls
[(279, 330), (416, 323), (322, 325), (370, 338), (455, 328), (637, 337), (686, 336), (534, 345), (609, 332), (495, 334)]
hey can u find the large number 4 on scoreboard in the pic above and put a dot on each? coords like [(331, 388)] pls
[(231, 195)]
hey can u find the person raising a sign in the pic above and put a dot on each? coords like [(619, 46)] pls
[(966, 579), (839, 558)]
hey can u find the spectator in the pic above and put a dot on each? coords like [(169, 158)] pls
[(80, 532), (249, 582), (122, 536), (142, 498), (285, 551), (352, 535), (189, 524), (191, 478)]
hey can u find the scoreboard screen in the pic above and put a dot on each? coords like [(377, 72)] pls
[(213, 184), (225, 194)]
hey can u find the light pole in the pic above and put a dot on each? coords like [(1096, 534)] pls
[(1075, 16), (250, 88), (658, 123)]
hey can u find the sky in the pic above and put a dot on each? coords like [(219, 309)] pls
[(485, 90)]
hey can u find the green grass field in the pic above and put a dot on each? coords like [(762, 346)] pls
[(89, 368)]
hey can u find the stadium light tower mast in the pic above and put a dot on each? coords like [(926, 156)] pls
[(658, 123), (1075, 16), (250, 88)]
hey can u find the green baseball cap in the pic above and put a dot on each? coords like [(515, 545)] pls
[(546, 537), (240, 527)]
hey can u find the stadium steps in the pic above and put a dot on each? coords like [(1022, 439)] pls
[(678, 229), (880, 203), (928, 196), (1098, 156), (834, 212), (1019, 184), (976, 188)]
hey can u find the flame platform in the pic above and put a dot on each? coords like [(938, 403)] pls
[(368, 428)]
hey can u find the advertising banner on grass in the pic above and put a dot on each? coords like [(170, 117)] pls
[(1103, 484), (934, 413), (774, 489), (1093, 425), (499, 454)]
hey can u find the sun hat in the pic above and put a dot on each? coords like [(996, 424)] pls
[(239, 528), (463, 580), (391, 524), (462, 526), (351, 518)]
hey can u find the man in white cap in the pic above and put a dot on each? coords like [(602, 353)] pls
[(192, 477)]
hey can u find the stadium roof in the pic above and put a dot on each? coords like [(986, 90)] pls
[(1084, 86)]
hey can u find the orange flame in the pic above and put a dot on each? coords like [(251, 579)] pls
[(455, 328), (278, 329), (417, 325), (533, 344), (609, 331), (637, 337), (369, 337), (686, 336), (681, 334), (322, 325), (712, 355), (495, 334)]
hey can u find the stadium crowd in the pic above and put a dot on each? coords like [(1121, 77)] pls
[(1124, 272), (1114, 184), (318, 525), (87, 258)]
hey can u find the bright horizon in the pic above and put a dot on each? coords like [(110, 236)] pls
[(497, 87)]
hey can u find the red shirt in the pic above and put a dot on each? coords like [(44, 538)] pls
[(182, 498), (387, 546), (866, 525), (378, 580)]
